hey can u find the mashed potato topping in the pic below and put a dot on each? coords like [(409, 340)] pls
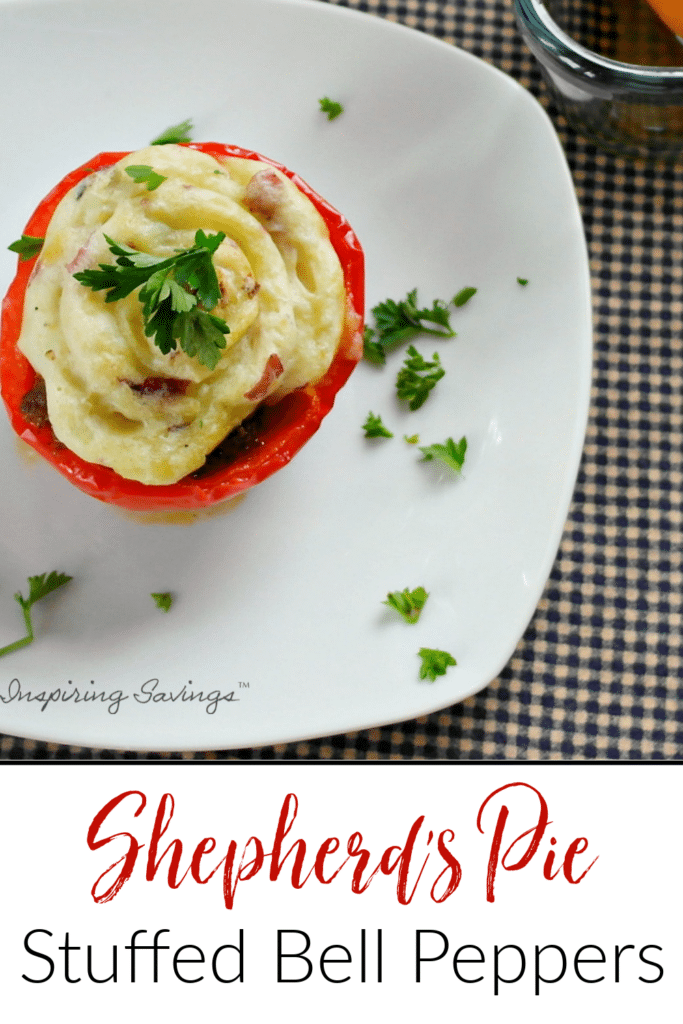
[(113, 397)]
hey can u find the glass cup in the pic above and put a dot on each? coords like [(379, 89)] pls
[(614, 69)]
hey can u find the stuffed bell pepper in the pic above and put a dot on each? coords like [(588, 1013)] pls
[(180, 323)]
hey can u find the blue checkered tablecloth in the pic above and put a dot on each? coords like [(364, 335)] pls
[(598, 672)]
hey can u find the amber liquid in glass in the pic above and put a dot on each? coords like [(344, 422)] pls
[(625, 30)]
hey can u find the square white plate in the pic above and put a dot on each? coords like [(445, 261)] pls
[(451, 175)]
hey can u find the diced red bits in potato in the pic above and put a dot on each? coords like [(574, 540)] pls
[(250, 286), (272, 371), (159, 387), (81, 258), (263, 194)]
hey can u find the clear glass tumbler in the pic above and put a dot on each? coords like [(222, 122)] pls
[(614, 69)]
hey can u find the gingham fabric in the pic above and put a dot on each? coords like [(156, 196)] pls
[(598, 672)]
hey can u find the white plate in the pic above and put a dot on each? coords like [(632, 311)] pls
[(451, 175)]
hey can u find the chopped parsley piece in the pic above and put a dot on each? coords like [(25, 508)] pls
[(408, 603), (27, 246), (143, 174), (417, 377), (413, 439), (177, 294), (396, 322), (39, 586), (434, 663), (372, 350), (522, 280), (463, 296), (331, 108), (176, 133), (450, 453), (163, 601), (374, 427)]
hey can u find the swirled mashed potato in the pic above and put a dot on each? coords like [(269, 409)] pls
[(113, 397)]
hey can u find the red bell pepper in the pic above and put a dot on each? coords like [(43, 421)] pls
[(282, 428)]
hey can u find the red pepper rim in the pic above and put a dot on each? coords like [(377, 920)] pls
[(286, 426)]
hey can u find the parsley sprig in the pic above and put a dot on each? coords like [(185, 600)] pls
[(408, 603), (145, 175), (417, 377), (330, 107), (434, 662), (396, 322), (176, 133), (373, 350), (463, 296), (163, 600), (177, 294), (374, 427), (27, 246), (39, 587), (450, 453)]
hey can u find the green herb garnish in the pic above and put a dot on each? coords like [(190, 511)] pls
[(396, 322), (450, 453), (522, 280), (417, 377), (163, 601), (145, 175), (372, 349), (176, 133), (463, 296), (374, 427), (434, 663), (177, 294), (39, 586), (27, 246), (331, 108), (413, 439), (408, 603)]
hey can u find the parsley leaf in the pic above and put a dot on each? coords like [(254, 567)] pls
[(163, 601), (417, 377), (331, 108), (27, 246), (434, 663), (396, 322), (413, 439), (450, 453), (463, 296), (523, 281), (408, 603), (406, 320), (372, 349), (142, 173), (39, 586), (374, 427), (176, 133), (201, 335), (177, 294)]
